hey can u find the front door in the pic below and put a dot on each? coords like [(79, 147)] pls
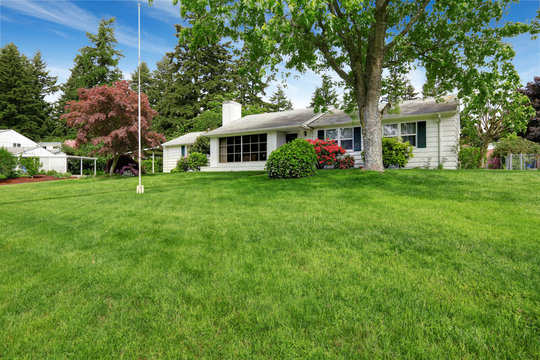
[(290, 137)]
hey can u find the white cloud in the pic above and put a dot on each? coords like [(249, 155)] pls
[(68, 14)]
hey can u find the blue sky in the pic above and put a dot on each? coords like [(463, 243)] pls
[(57, 28)]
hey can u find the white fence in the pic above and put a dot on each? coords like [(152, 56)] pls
[(522, 161)]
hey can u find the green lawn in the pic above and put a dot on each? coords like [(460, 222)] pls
[(347, 264)]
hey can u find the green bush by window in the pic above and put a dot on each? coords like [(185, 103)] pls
[(8, 163), (396, 152), (181, 165), (195, 160), (296, 159), (470, 157)]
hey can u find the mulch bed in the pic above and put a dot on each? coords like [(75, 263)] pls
[(22, 180)]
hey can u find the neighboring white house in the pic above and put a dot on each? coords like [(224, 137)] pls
[(244, 143), (15, 142), (50, 155), (177, 148)]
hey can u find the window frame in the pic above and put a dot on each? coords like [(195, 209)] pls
[(239, 142), (340, 138), (400, 134)]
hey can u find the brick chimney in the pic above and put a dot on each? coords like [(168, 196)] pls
[(231, 111)]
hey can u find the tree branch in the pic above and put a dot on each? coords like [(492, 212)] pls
[(408, 27)]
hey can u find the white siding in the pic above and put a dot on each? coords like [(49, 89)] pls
[(171, 154), (10, 137)]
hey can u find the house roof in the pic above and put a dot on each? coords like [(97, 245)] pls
[(268, 121), (307, 118), (186, 139)]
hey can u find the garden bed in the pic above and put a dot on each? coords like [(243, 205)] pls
[(23, 180)]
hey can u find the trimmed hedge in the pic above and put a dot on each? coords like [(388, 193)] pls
[(296, 159)]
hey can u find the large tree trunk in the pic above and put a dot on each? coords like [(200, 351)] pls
[(113, 165), (371, 83), (372, 133), (483, 150)]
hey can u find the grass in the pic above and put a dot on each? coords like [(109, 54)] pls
[(347, 264)]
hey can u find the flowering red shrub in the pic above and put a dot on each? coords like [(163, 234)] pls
[(327, 151), (346, 162)]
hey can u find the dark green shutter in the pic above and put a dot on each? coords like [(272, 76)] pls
[(357, 139), (183, 151), (320, 134), (421, 133)]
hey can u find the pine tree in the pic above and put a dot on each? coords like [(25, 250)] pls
[(280, 100), (146, 79), (324, 96), (46, 85), (22, 104), (96, 64)]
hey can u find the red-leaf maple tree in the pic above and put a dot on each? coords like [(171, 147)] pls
[(108, 116)]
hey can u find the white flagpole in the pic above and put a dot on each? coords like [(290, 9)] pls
[(140, 188)]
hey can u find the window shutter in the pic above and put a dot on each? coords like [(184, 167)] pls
[(357, 138), (421, 131), (183, 151), (320, 134)]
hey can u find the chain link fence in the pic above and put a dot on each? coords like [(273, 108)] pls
[(522, 161)]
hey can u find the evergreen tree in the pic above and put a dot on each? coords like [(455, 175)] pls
[(46, 85), (96, 64), (397, 88), (324, 96), (24, 84), (146, 79), (280, 101), (410, 93)]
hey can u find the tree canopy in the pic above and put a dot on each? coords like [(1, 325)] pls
[(96, 64), (532, 91), (108, 116), (451, 39), (24, 84), (495, 108)]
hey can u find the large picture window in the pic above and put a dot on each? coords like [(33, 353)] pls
[(242, 148), (344, 137), (407, 131)]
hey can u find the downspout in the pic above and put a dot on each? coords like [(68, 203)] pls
[(439, 140)]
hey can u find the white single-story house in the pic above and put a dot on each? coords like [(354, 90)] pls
[(177, 148), (244, 143), (50, 156)]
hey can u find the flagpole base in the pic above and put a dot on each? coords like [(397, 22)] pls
[(140, 189)]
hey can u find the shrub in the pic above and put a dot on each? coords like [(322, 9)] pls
[(8, 163), (345, 162), (147, 165), (201, 145), (327, 152), (181, 165), (195, 160), (396, 152), (514, 144), (51, 173), (296, 159), (128, 170), (31, 165), (470, 157)]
